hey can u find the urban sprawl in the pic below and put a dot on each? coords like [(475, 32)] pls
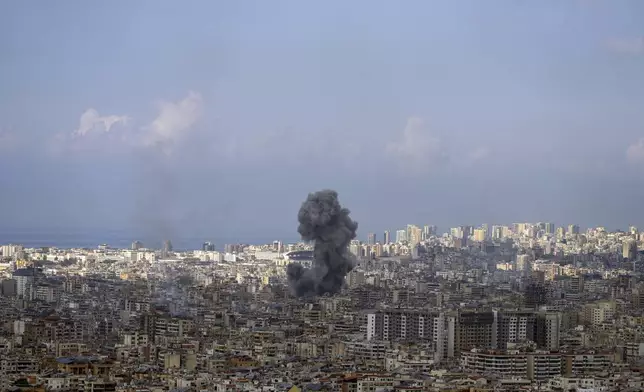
[(524, 307)]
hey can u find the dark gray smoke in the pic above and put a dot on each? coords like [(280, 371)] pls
[(324, 221)]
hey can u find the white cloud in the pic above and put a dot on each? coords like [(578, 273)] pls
[(629, 46), (418, 150), (96, 132), (174, 120), (635, 152), (91, 122)]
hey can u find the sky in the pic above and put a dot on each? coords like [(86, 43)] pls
[(217, 118)]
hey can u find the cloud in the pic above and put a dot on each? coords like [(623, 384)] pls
[(173, 121), (628, 46), (92, 122), (635, 152), (418, 150), (95, 133)]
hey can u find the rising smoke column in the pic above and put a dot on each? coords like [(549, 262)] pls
[(323, 221)]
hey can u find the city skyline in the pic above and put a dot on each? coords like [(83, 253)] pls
[(122, 241), (545, 310), (355, 196), (120, 238)]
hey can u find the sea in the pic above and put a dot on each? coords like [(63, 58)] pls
[(92, 238)]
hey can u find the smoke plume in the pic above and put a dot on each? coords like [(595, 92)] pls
[(323, 221)]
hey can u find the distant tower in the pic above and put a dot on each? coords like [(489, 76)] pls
[(387, 237), (415, 235), (523, 265), (550, 228), (412, 230), (208, 246), (535, 295), (426, 232), (497, 232), (278, 246), (136, 245), (560, 233), (371, 239), (466, 232), (634, 232), (479, 235), (401, 235), (629, 250)]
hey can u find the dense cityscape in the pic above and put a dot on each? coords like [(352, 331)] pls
[(489, 308), (171, 176)]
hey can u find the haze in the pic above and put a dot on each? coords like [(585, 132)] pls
[(218, 118)]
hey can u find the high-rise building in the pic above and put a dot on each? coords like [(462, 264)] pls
[(547, 330), (387, 237), (461, 233), (576, 284), (136, 245), (8, 287), (356, 248), (401, 235), (573, 229), (413, 229), (277, 245), (561, 233), (376, 250), (428, 231), (479, 235), (476, 330), (415, 235), (371, 239), (208, 247), (25, 279), (497, 232), (597, 313), (465, 232), (11, 250), (535, 295), (514, 326), (629, 249), (523, 265), (550, 228), (517, 227), (233, 248), (416, 325)]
